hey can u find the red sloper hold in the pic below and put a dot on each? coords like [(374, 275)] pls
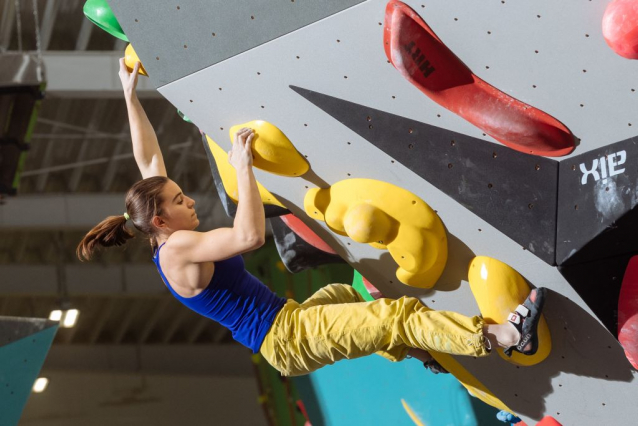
[(305, 233), (374, 292), (545, 421), (422, 58), (628, 312)]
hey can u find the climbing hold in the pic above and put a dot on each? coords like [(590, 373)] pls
[(99, 12), (628, 312), (506, 417), (131, 58), (498, 290), (365, 289), (620, 27), (305, 233), (422, 58), (272, 150), (471, 383), (298, 246), (184, 117), (415, 418), (229, 176), (386, 217)]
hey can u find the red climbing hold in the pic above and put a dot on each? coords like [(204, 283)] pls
[(628, 312), (545, 421), (306, 234), (620, 27), (422, 58)]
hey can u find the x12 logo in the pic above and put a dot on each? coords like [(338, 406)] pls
[(607, 165)]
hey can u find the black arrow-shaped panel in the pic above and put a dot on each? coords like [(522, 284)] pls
[(514, 192)]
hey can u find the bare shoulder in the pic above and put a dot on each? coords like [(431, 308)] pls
[(178, 244)]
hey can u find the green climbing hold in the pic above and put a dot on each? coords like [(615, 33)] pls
[(99, 12), (185, 118), (358, 284)]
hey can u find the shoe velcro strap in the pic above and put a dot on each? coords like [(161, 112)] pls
[(514, 318), (522, 310)]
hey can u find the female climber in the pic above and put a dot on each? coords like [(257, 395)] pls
[(205, 271)]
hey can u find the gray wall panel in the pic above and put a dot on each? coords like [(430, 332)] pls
[(174, 39), (343, 57)]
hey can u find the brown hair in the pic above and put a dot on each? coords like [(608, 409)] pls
[(143, 202)]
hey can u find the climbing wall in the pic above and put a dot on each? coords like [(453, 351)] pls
[(318, 71), (24, 344)]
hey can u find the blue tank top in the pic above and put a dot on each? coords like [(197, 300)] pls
[(235, 299)]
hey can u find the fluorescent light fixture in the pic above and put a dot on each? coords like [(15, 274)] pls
[(70, 318), (55, 315), (40, 384), (67, 317)]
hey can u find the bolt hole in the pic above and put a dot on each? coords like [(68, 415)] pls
[(494, 155), (449, 166), (530, 206), (410, 146), (489, 185), (538, 167), (576, 207), (452, 143)]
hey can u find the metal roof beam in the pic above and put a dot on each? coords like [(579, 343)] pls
[(231, 360), (89, 74)]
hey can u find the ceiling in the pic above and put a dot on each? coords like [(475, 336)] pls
[(82, 145)]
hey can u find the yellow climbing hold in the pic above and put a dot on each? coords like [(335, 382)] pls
[(471, 383), (386, 217), (417, 421), (229, 176), (131, 58), (272, 150), (498, 290)]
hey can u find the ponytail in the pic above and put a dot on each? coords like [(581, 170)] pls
[(143, 201), (110, 232)]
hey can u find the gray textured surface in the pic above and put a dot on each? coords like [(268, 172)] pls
[(343, 56), (15, 328), (175, 39)]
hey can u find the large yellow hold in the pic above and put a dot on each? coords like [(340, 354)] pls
[(272, 150), (386, 217), (229, 176), (498, 290)]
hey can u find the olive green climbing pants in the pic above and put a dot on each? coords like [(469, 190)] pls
[(336, 323)]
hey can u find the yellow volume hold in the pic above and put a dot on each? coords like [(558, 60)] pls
[(471, 383), (229, 176), (272, 150), (131, 58), (386, 217), (498, 290)]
